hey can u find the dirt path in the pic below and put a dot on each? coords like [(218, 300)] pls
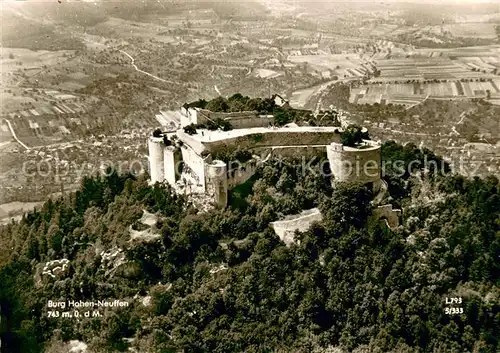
[(132, 62), (15, 136), (413, 106)]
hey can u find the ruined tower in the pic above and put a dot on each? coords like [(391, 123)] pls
[(172, 158), (356, 164), (216, 174), (156, 163)]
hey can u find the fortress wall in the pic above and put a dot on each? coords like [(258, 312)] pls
[(274, 138), (188, 116), (387, 212), (194, 162), (230, 115), (251, 121), (242, 174), (191, 141), (171, 169), (217, 182), (239, 120), (193, 116), (156, 164), (185, 120), (307, 152), (355, 165), (286, 229)]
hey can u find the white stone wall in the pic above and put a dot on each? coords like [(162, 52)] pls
[(242, 174), (156, 163), (286, 229), (273, 138), (355, 165), (190, 140), (195, 163), (390, 214), (251, 121), (171, 167), (217, 183), (189, 116)]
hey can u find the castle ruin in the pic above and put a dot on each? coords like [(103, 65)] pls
[(186, 161)]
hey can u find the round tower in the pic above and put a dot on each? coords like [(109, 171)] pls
[(216, 174), (172, 158), (156, 146), (361, 164)]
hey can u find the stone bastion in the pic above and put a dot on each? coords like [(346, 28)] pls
[(356, 164), (348, 164), (252, 138)]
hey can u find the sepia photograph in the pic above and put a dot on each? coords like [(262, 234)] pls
[(258, 176)]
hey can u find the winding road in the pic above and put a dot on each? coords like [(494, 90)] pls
[(316, 92), (132, 62)]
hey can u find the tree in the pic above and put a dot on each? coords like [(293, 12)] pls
[(282, 117), (349, 206), (218, 104), (190, 129), (353, 136)]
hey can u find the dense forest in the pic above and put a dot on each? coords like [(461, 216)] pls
[(222, 281)]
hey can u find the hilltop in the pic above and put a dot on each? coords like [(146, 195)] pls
[(222, 281)]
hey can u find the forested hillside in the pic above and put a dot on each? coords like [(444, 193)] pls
[(222, 281)]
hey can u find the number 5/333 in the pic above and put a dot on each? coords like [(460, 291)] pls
[(453, 311)]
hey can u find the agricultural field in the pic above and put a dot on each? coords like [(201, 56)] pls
[(12, 100), (344, 42), (266, 73), (5, 136), (485, 53), (427, 69), (7, 209), (412, 93), (27, 74), (484, 64), (116, 27), (328, 61), (158, 30), (13, 59), (475, 30), (474, 61), (29, 102), (342, 65), (476, 89), (477, 18), (379, 30)]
